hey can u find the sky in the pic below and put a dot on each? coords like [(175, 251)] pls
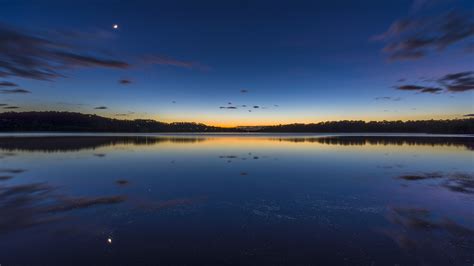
[(236, 63)]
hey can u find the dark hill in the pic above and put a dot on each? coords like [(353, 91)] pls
[(77, 122)]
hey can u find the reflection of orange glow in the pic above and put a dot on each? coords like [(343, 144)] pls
[(245, 143)]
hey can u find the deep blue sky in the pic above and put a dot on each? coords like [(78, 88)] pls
[(298, 61)]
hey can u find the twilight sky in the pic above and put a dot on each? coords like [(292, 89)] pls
[(239, 62)]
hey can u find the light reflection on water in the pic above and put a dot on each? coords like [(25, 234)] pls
[(216, 199)]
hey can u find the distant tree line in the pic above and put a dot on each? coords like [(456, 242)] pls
[(77, 122), (455, 126)]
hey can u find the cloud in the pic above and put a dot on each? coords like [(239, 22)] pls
[(36, 56), (8, 84), (414, 38), (3, 104), (228, 107), (11, 107), (125, 81), (431, 90), (12, 170), (422, 89), (74, 60), (168, 61), (458, 82), (244, 91), (15, 91), (455, 82), (387, 98), (256, 106), (468, 115), (100, 107), (122, 182)]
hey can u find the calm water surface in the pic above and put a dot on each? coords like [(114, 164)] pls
[(230, 199)]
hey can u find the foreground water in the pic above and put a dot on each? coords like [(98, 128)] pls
[(230, 199)]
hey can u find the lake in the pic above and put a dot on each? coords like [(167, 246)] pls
[(236, 199)]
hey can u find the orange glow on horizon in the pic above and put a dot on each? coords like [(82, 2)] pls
[(269, 122)]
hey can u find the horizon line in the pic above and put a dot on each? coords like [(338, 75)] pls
[(460, 117)]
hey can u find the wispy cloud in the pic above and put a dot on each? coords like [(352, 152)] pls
[(455, 83), (417, 88), (100, 107), (37, 56), (414, 38), (431, 90), (458, 82), (15, 91), (388, 98), (8, 84), (125, 81)]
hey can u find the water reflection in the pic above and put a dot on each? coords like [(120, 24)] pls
[(466, 142), (71, 143), (455, 182), (28, 205), (227, 199), (66, 144), (431, 240)]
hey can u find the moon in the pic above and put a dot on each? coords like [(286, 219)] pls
[(115, 26)]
